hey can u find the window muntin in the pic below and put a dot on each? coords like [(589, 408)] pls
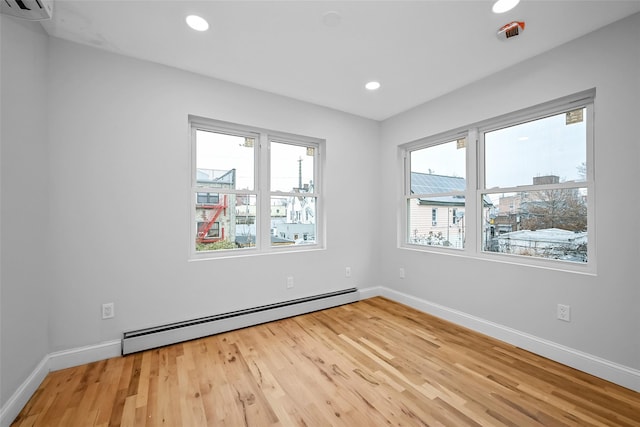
[(252, 190), (436, 189), (551, 209)]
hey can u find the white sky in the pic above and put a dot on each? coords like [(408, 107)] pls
[(444, 159), (514, 155), (224, 152)]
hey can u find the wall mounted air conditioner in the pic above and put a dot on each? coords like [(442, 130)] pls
[(33, 10)]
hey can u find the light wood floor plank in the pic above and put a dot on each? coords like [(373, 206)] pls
[(371, 363)]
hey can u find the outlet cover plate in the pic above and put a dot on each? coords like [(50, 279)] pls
[(108, 310), (564, 312)]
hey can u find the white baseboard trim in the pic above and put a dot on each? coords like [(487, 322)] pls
[(19, 399), (81, 355), (371, 292), (594, 365), (54, 362)]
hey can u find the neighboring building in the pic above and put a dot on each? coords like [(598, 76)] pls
[(230, 217), (552, 243), (543, 223), (437, 220), (215, 218), (298, 224), (512, 208)]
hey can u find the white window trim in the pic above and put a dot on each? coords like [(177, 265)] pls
[(404, 151), (261, 191), (475, 183)]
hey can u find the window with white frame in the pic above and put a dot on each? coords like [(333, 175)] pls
[(253, 190), (529, 196)]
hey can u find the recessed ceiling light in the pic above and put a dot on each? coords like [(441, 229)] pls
[(197, 23), (331, 19), (372, 86), (502, 6)]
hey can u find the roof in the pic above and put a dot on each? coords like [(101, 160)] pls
[(427, 183), (552, 235), (212, 176), (424, 183)]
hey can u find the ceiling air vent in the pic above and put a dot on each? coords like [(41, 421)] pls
[(33, 10), (511, 29)]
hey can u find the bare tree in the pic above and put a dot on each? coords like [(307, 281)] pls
[(562, 208)]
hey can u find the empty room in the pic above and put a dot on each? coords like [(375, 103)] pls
[(319, 213)]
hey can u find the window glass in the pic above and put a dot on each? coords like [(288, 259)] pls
[(293, 207), (544, 223), (293, 220), (551, 146), (292, 167), (225, 161), (436, 200), (229, 223)]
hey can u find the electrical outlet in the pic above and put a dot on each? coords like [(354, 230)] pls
[(564, 312), (402, 273), (289, 282), (108, 310), (347, 272)]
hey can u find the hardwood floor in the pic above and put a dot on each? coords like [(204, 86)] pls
[(370, 363)]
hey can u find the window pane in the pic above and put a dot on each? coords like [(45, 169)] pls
[(546, 224), (292, 168), (293, 220), (439, 169), (224, 161), (225, 221), (207, 198), (436, 221), (552, 146)]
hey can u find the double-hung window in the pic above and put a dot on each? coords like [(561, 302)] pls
[(529, 196), (253, 190)]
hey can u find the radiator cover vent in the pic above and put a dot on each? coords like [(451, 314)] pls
[(32, 10), (148, 338)]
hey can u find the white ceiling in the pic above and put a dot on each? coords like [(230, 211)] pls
[(418, 50)]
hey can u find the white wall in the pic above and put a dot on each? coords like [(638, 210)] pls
[(605, 316), (24, 285), (119, 177)]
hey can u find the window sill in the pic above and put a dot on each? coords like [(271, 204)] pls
[(248, 253), (546, 264)]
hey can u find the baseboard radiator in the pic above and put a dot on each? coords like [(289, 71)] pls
[(159, 336)]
